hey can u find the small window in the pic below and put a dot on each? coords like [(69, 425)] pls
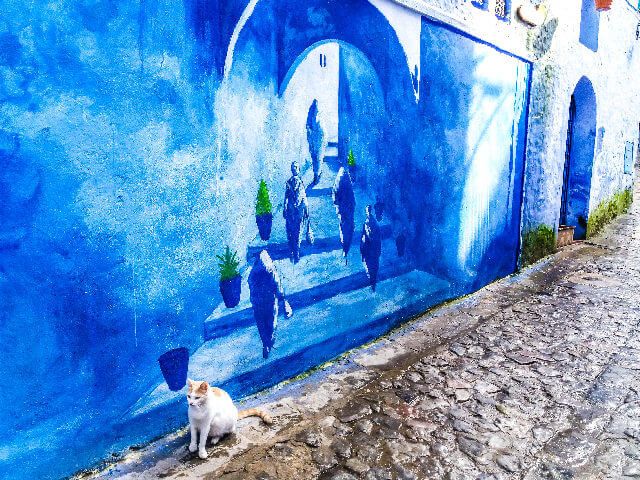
[(503, 10), (323, 60), (481, 4)]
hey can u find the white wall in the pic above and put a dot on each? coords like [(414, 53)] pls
[(613, 70)]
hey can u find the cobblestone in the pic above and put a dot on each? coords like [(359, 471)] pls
[(536, 376)]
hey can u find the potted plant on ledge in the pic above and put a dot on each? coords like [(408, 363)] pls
[(230, 279), (264, 217)]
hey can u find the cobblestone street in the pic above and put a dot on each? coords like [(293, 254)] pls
[(536, 376)]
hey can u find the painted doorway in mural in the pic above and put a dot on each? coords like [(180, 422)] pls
[(579, 155), (564, 205), (349, 107)]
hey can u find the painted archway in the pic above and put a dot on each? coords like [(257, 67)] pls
[(577, 173), (273, 47)]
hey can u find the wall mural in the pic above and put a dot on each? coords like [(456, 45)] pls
[(239, 190)]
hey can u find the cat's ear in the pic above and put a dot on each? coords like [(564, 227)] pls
[(190, 383), (204, 386)]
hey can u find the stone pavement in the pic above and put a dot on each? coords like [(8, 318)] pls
[(536, 376)]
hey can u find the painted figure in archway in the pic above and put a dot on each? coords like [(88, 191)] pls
[(345, 202), (315, 137), (371, 247), (296, 211), (265, 291)]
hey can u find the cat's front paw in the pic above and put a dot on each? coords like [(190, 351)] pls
[(193, 447), (202, 453)]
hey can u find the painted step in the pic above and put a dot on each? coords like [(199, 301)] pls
[(280, 251), (331, 150), (313, 335), (313, 278), (333, 161)]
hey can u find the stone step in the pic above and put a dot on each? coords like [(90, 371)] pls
[(331, 150)]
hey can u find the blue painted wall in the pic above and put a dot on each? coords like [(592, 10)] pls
[(133, 137)]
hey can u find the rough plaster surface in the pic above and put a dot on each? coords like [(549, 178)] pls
[(533, 377), (120, 197)]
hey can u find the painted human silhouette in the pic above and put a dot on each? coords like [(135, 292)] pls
[(371, 246), (295, 212), (345, 202), (315, 137), (265, 292)]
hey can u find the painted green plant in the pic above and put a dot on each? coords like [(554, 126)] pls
[(608, 210), (263, 202), (228, 265), (351, 160), (537, 243)]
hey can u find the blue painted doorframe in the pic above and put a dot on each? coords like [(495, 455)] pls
[(581, 142), (564, 205)]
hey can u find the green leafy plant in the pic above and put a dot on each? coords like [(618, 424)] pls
[(263, 202), (351, 160), (537, 243), (608, 210), (228, 265)]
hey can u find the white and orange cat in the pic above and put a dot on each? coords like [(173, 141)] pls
[(213, 414)]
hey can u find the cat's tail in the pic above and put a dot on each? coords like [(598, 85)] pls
[(255, 412)]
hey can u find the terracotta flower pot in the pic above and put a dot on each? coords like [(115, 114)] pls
[(565, 235), (603, 5)]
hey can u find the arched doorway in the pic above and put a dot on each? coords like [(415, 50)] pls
[(578, 163)]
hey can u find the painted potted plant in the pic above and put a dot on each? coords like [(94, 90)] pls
[(351, 163), (230, 279), (174, 365), (264, 216), (603, 5)]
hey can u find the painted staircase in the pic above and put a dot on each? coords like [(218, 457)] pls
[(334, 307)]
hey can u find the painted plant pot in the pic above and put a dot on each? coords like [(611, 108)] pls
[(174, 365), (401, 243), (352, 172), (603, 5), (230, 290), (264, 222)]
